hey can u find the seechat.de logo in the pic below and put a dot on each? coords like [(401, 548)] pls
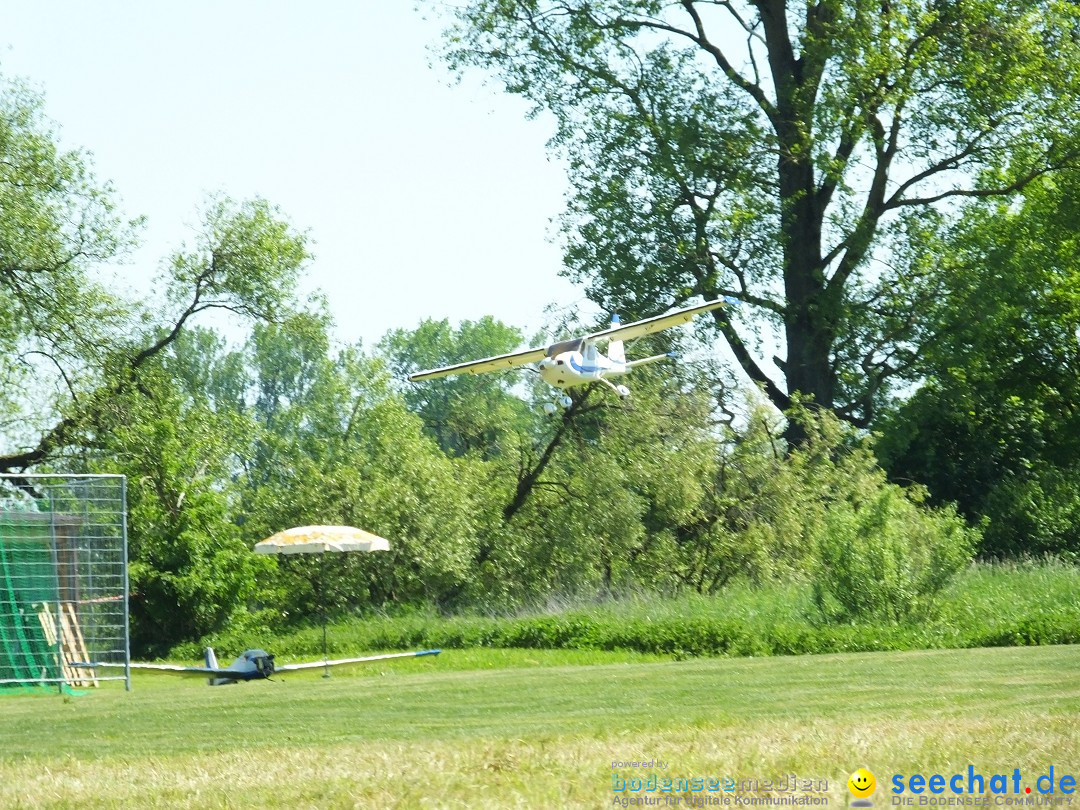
[(974, 787)]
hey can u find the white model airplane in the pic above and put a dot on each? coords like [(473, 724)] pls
[(252, 665), (579, 361)]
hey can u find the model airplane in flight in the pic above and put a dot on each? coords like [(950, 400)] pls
[(253, 665), (579, 361)]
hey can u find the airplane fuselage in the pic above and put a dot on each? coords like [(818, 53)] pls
[(252, 665), (567, 369)]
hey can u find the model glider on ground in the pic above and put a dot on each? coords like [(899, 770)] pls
[(579, 361), (253, 665)]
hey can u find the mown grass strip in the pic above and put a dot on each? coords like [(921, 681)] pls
[(525, 736)]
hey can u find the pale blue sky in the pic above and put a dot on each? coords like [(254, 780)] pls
[(424, 199)]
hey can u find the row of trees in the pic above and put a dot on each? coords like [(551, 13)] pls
[(808, 158), (888, 191), (489, 502)]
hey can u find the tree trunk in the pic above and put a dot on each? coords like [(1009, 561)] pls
[(810, 319)]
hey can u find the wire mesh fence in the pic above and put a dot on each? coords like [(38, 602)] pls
[(63, 579)]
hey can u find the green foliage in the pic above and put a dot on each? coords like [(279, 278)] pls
[(823, 512), (57, 218), (189, 568), (57, 317), (334, 444), (878, 552), (994, 427), (161, 409), (885, 558), (757, 518), (986, 605), (73, 351), (671, 117), (1034, 513), (597, 496), (246, 258), (467, 413)]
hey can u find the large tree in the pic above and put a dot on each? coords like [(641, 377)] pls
[(334, 444), (175, 440), (57, 321), (71, 347), (781, 153)]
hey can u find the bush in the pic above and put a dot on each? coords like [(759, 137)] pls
[(887, 558), (1035, 513), (986, 605)]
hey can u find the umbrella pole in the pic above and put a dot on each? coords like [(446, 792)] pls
[(326, 663), (322, 578)]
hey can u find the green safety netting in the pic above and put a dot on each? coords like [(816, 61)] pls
[(28, 585)]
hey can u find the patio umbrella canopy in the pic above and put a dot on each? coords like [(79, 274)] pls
[(319, 540)]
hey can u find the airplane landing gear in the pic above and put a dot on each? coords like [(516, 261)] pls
[(621, 390), (564, 402)]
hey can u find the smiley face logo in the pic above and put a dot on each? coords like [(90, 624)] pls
[(861, 783)]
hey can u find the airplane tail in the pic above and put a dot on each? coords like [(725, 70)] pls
[(616, 352), (211, 663)]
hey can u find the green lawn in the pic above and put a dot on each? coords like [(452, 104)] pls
[(535, 728)]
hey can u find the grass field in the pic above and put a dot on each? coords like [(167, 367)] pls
[(532, 728)]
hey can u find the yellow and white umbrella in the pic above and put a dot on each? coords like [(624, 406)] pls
[(319, 540)]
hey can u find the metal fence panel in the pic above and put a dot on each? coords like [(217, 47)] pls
[(63, 579)]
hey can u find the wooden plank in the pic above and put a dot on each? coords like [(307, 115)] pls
[(48, 626), (67, 650), (74, 646), (79, 651)]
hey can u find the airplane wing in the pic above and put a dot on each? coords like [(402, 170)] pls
[(497, 363), (337, 662), (627, 331), (202, 672), (659, 323)]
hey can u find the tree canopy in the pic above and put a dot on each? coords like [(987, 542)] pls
[(466, 413), (808, 182), (79, 346), (994, 428), (784, 154)]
